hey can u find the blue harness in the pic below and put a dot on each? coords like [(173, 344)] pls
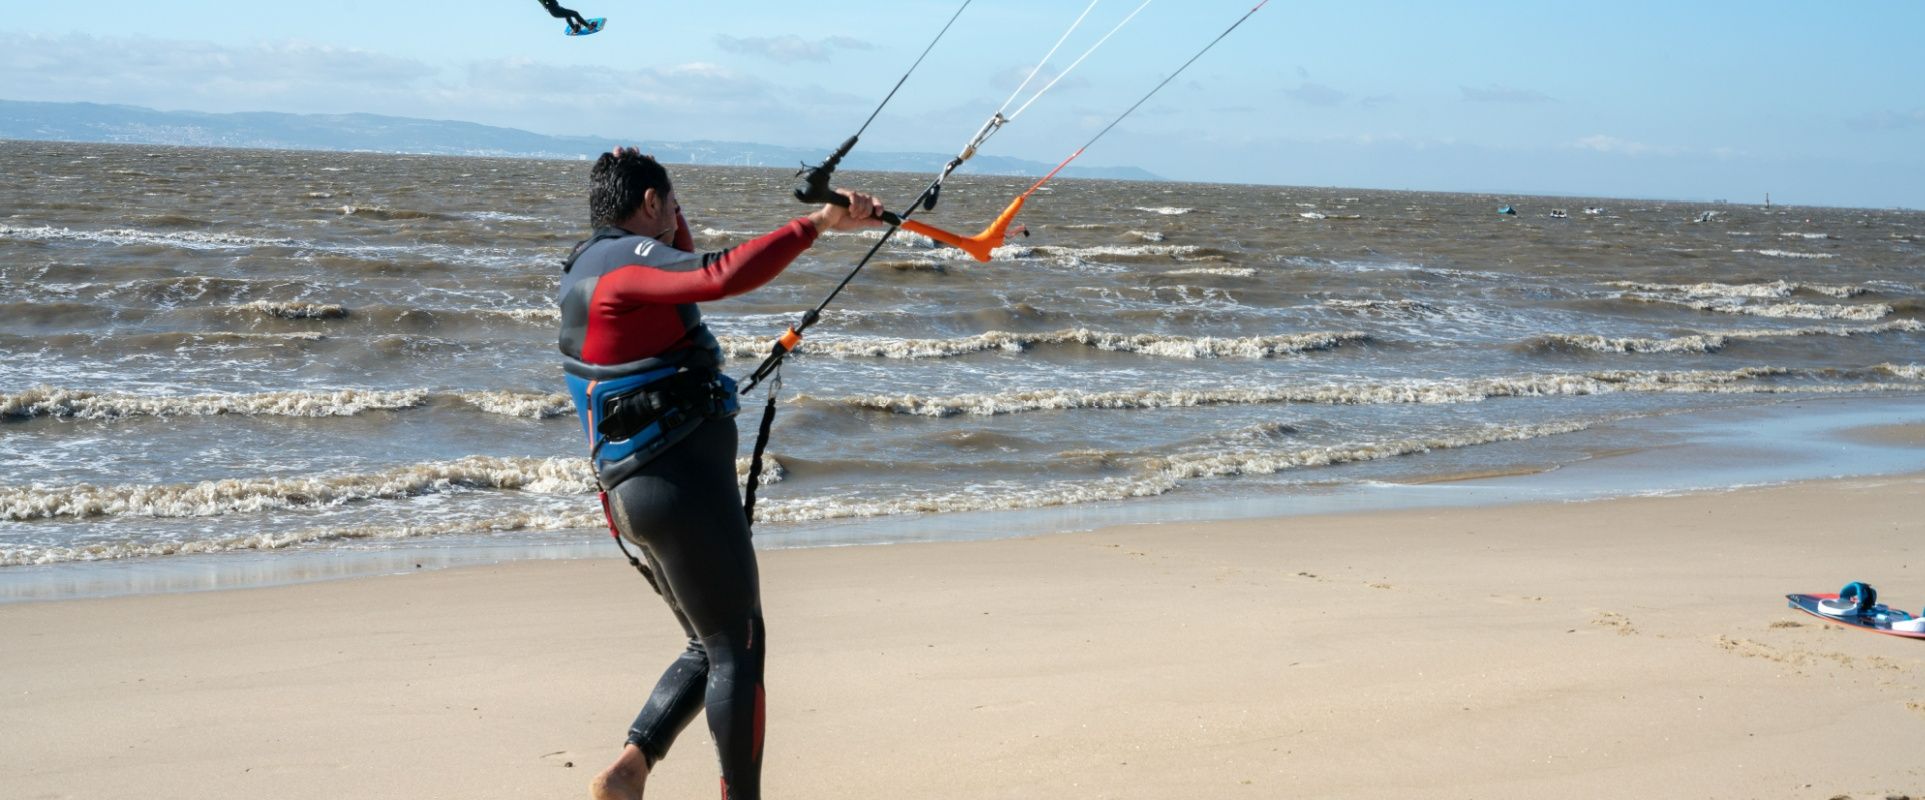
[(601, 405)]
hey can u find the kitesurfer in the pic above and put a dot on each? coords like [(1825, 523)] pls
[(575, 21), (644, 372)]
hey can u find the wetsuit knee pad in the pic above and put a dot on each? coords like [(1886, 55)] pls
[(737, 647), (678, 697)]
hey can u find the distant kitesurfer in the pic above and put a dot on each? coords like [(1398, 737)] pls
[(575, 21), (645, 374)]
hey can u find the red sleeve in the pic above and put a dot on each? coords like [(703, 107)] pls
[(728, 273)]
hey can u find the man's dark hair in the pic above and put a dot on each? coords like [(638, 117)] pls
[(617, 184)]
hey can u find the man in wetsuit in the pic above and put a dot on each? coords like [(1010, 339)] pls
[(663, 443), (575, 21)]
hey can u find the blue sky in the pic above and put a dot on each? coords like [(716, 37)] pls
[(1820, 103)]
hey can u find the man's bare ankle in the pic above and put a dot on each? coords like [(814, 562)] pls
[(622, 780)]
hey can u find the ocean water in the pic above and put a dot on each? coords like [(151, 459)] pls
[(264, 356)]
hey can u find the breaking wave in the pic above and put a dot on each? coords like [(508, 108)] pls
[(1773, 289), (1786, 253), (391, 214), (1265, 462), (243, 495), (532, 315), (568, 476), (47, 401), (1894, 326), (193, 240), (1228, 272), (190, 240), (1168, 211), (1867, 312), (901, 238), (1701, 343), (1737, 381), (1864, 312), (533, 521), (1144, 251), (1707, 341), (177, 341), (1156, 476), (527, 405), (294, 309), (1379, 305), (1163, 345)]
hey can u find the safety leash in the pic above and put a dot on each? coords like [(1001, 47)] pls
[(609, 514), (761, 444)]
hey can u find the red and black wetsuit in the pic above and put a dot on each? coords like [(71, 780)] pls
[(628, 301), (628, 310)]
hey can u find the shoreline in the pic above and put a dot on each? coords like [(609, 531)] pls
[(1699, 451), (1634, 646)]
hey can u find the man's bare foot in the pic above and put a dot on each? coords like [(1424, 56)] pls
[(623, 779)]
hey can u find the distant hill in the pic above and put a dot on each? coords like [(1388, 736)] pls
[(93, 122)]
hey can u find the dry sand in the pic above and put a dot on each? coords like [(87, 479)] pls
[(1615, 649)]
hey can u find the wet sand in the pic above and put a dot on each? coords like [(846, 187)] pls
[(1635, 647), (1908, 435)]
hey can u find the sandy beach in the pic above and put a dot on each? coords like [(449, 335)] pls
[(1634, 647)]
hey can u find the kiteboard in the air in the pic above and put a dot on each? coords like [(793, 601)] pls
[(1857, 606), (594, 25)]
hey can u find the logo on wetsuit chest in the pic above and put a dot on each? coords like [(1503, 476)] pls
[(643, 248)]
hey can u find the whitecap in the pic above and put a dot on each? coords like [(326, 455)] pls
[(1786, 254), (1748, 380)]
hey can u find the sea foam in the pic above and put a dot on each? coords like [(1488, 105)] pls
[(242, 495), (1152, 344), (1747, 380)]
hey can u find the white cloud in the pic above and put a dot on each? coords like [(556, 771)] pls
[(1008, 79), (139, 70), (697, 100), (1603, 143), (789, 49)]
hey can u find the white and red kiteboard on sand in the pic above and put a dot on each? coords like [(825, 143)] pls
[(1857, 606)]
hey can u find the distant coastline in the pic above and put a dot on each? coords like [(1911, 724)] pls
[(98, 123), (1530, 203), (123, 124)]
